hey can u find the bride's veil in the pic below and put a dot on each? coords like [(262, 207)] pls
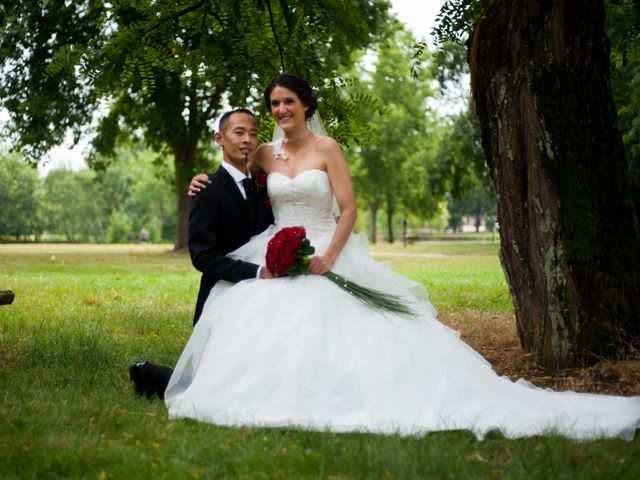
[(314, 124)]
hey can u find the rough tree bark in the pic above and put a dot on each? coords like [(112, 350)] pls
[(570, 246)]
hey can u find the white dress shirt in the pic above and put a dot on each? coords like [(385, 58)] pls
[(237, 176)]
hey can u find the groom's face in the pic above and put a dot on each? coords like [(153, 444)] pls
[(238, 139)]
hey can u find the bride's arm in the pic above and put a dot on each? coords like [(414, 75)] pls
[(198, 182), (338, 172)]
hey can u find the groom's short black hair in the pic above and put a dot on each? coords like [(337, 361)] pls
[(224, 119)]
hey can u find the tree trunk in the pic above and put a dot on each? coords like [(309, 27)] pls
[(373, 207), (183, 161), (570, 247), (390, 211)]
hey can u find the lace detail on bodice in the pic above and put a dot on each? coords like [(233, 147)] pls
[(278, 150), (305, 200)]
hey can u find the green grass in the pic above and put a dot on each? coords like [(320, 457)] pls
[(83, 313), (459, 283)]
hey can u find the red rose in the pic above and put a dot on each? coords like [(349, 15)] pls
[(293, 243), (287, 258), (299, 232)]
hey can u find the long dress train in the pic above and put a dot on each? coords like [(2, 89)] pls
[(300, 352)]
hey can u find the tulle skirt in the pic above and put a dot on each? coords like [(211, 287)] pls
[(301, 352)]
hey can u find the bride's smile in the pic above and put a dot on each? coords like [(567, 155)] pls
[(287, 109)]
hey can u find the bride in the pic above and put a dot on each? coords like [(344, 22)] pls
[(301, 352)]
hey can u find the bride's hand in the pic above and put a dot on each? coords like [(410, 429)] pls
[(320, 265), (198, 182)]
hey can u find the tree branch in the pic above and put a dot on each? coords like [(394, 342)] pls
[(178, 14), (275, 36), (213, 103)]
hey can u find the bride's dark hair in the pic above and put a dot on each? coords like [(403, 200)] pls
[(296, 84)]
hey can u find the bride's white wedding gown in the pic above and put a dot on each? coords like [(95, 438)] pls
[(301, 352)]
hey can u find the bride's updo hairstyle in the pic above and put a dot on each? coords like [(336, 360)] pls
[(296, 84)]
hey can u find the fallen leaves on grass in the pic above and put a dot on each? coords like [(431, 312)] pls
[(495, 337)]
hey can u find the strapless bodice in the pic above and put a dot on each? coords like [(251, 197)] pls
[(304, 200)]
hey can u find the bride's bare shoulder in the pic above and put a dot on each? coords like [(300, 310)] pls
[(264, 154), (327, 145), (264, 149)]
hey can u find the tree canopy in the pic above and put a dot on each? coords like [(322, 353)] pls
[(163, 70)]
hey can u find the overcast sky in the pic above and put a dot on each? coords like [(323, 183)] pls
[(418, 15)]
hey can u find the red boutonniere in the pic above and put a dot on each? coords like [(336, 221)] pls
[(261, 182)]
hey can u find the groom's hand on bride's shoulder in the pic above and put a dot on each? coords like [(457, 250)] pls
[(198, 182)]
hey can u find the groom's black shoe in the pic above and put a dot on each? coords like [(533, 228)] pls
[(149, 379)]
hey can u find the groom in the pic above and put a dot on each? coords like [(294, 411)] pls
[(228, 213), (222, 218)]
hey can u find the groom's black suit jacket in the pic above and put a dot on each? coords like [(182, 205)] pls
[(221, 220)]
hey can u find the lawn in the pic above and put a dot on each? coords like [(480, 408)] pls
[(83, 313)]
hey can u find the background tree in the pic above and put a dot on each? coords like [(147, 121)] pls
[(392, 164), (20, 199), (460, 172), (623, 29), (569, 240), (74, 207), (163, 70), (113, 204), (460, 165), (478, 204), (136, 188)]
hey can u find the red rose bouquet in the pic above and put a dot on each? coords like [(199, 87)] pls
[(289, 253)]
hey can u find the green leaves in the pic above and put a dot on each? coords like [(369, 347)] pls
[(165, 70), (623, 29), (392, 164), (455, 20), (419, 48), (20, 197)]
